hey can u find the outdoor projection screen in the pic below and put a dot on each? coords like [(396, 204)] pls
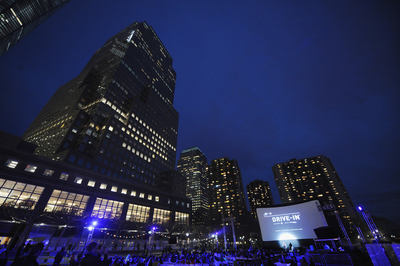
[(290, 222)]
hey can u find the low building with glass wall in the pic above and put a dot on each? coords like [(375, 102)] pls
[(57, 202)]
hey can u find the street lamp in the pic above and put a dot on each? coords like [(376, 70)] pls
[(188, 239), (151, 237), (91, 231)]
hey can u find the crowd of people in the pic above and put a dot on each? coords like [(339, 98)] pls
[(96, 255)]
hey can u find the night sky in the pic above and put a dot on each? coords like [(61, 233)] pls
[(261, 82)]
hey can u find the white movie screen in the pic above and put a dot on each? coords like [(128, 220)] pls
[(293, 222)]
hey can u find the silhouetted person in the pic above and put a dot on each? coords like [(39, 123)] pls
[(59, 256), (73, 261), (27, 247), (30, 259), (69, 248), (92, 258)]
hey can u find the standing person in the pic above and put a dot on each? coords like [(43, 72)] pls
[(27, 248), (73, 261), (69, 249), (92, 258), (30, 259), (59, 256)]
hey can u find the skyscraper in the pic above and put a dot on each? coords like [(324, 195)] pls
[(19, 17), (192, 164), (226, 191), (117, 116), (315, 178), (259, 195)]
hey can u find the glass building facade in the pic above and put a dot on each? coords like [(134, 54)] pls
[(20, 17), (192, 164), (104, 145), (226, 191), (117, 116)]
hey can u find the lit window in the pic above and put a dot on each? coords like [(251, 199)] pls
[(137, 213), (149, 197), (124, 191), (103, 186), (30, 168), (91, 183), (133, 193), (64, 176), (114, 189), (67, 203), (78, 180), (141, 195), (108, 209), (19, 195), (48, 172), (156, 198), (11, 163)]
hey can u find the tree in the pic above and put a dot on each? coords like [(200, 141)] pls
[(26, 213), (67, 217)]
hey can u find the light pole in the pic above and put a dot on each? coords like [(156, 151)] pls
[(91, 231), (188, 240), (371, 225), (151, 237)]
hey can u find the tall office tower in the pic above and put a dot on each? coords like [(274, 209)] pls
[(117, 116), (226, 191), (19, 17), (315, 178), (192, 164), (259, 195)]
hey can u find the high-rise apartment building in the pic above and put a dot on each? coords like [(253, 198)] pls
[(315, 178), (19, 17), (116, 117), (192, 164), (226, 191), (259, 195)]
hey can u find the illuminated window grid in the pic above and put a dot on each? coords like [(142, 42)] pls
[(66, 202), (161, 216), (19, 194), (138, 213), (182, 218), (108, 209)]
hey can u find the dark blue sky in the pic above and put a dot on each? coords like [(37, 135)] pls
[(261, 82)]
